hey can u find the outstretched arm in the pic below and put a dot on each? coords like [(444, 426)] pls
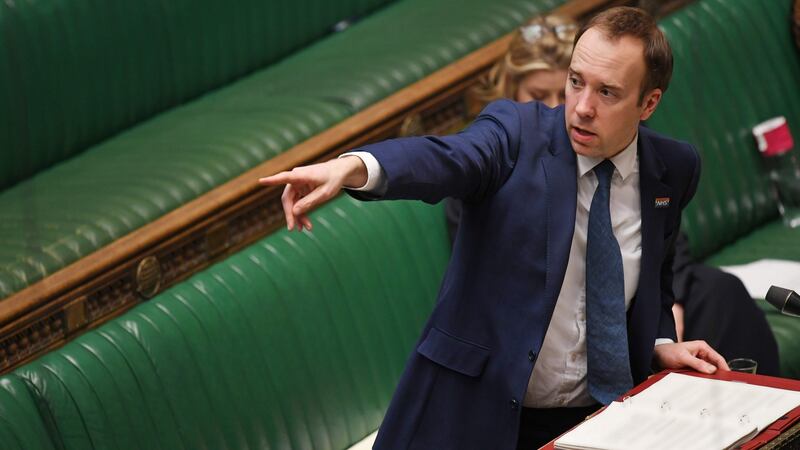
[(468, 164), (310, 186)]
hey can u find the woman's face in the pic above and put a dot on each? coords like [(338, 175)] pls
[(546, 86)]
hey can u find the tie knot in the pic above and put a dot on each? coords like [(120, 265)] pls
[(604, 171)]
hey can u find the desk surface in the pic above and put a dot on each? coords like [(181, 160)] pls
[(773, 431)]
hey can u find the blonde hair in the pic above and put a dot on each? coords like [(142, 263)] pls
[(543, 43)]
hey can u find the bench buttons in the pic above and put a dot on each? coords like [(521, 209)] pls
[(532, 356), (514, 404)]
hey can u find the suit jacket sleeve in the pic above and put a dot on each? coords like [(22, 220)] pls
[(667, 322), (682, 268), (467, 165)]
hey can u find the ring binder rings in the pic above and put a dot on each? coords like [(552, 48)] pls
[(684, 409)]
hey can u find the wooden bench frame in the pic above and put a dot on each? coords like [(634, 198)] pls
[(230, 217)]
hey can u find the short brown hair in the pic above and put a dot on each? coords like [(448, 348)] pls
[(627, 21)]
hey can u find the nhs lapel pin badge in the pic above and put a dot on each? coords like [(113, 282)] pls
[(662, 202)]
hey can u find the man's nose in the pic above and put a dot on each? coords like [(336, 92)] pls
[(585, 106)]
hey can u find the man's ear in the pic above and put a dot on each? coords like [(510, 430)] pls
[(649, 102)]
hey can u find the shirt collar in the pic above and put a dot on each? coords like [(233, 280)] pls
[(624, 161)]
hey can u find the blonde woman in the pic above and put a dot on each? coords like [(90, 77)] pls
[(535, 65)]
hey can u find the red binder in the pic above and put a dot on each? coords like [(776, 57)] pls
[(768, 434)]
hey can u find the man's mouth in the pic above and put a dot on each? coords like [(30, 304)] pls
[(581, 135)]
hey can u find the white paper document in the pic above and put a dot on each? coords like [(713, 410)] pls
[(758, 276), (683, 412)]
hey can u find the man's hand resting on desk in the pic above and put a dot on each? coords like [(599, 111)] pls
[(695, 355), (310, 186)]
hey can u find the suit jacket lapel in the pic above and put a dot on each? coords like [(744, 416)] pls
[(561, 178), (651, 172)]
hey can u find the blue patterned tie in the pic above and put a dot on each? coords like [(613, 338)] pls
[(608, 368)]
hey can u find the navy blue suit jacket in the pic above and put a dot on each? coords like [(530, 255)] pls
[(515, 169)]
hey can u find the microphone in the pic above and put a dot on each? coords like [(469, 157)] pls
[(784, 299)]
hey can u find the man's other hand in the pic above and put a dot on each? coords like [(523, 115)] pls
[(695, 355), (310, 186)]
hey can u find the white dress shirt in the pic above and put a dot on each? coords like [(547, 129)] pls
[(564, 349)]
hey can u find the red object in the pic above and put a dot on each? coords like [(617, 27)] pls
[(766, 435), (773, 137)]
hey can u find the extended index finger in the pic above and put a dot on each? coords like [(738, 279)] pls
[(279, 178)]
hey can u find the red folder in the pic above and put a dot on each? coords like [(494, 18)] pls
[(768, 434)]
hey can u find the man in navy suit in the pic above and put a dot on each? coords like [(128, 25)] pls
[(558, 296)]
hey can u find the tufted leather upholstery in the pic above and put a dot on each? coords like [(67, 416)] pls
[(22, 426), (74, 73), (295, 342), (76, 207), (785, 330), (735, 66)]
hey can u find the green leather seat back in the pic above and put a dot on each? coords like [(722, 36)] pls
[(399, 45), (76, 207), (295, 342), (735, 66), (22, 426), (785, 330), (74, 73), (773, 240)]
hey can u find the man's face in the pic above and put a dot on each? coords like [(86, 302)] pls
[(603, 86)]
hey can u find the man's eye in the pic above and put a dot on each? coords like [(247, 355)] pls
[(606, 93), (574, 82)]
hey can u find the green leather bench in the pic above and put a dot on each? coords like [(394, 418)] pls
[(22, 425), (736, 65), (142, 110), (117, 113), (296, 342)]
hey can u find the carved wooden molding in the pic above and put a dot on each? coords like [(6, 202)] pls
[(796, 23), (150, 259), (663, 8)]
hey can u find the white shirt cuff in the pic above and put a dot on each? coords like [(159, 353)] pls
[(660, 341), (374, 172)]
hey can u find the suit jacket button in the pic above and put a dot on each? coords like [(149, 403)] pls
[(514, 404), (532, 356)]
